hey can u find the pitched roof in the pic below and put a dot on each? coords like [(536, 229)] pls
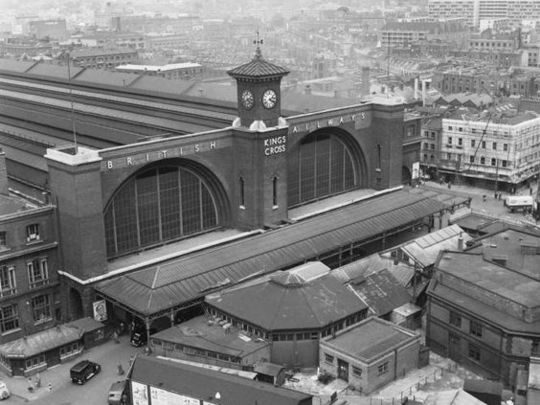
[(189, 277), (286, 301), (41, 342), (425, 249), (381, 292), (258, 67), (203, 383)]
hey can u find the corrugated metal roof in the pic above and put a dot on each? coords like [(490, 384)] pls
[(174, 282), (382, 292)]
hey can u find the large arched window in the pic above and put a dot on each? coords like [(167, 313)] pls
[(158, 205), (322, 166)]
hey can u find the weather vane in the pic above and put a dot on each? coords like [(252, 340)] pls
[(258, 42)]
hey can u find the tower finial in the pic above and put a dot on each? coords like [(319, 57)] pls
[(258, 42)]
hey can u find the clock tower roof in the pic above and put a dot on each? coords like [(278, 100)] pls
[(258, 68)]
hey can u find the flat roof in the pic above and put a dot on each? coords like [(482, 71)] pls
[(199, 333), (481, 310), (173, 282), (513, 245), (12, 204), (474, 269), (157, 68), (371, 338)]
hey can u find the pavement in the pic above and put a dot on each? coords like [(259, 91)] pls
[(491, 207), (63, 391)]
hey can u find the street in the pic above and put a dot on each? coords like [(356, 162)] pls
[(64, 392)]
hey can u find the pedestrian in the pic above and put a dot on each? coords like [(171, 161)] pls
[(449, 185), (115, 336), (50, 387), (131, 360), (38, 380), (120, 369)]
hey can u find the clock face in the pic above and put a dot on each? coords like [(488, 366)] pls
[(269, 99), (247, 99)]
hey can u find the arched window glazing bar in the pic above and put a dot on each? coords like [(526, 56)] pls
[(158, 205), (322, 166)]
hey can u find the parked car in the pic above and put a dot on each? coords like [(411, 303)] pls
[(4, 391), (116, 393), (83, 371), (138, 339)]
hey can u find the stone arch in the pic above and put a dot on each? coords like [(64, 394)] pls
[(76, 308), (164, 201), (325, 162)]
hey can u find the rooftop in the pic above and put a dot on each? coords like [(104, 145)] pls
[(258, 67), (154, 68), (285, 300), (202, 383), (10, 204), (491, 277), (175, 281), (86, 52), (520, 250), (200, 333), (371, 339)]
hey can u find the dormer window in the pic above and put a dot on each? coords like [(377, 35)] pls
[(3, 239), (32, 233)]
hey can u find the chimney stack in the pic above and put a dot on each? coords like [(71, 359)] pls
[(3, 174), (460, 242)]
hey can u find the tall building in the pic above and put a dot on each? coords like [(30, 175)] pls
[(476, 10), (30, 287), (483, 304), (491, 147)]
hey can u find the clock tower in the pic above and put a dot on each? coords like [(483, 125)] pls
[(258, 92)]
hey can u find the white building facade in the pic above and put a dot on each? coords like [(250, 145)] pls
[(507, 152)]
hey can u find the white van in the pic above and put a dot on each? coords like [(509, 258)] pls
[(517, 202)]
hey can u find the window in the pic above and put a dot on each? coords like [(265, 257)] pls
[(432, 146), (242, 192), (383, 368), (483, 144), (460, 129), (473, 143), (158, 205), (505, 147), (476, 329), (32, 232), (35, 361), (474, 352), (494, 145), (449, 128), (460, 141), (274, 192), (535, 347), (69, 349), (455, 319), (357, 371), (449, 140), (493, 162), (3, 239), (38, 272), (328, 358), (504, 163), (9, 318), (449, 156), (471, 159), (482, 160), (7, 281), (41, 308)]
